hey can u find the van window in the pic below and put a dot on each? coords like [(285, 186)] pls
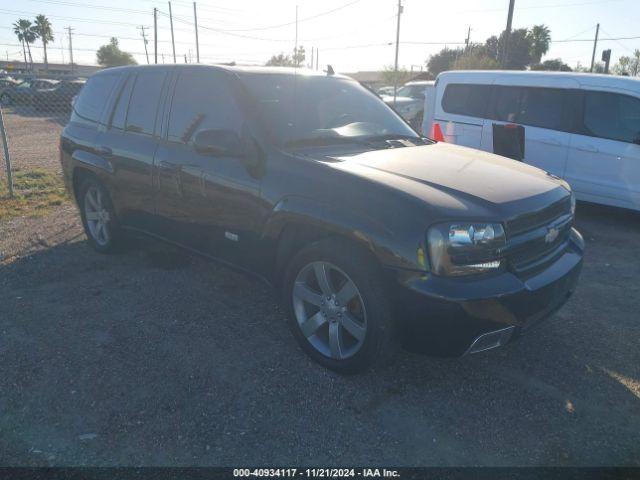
[(93, 98), (120, 112), (536, 107), (143, 106), (201, 102), (466, 99), (612, 116)]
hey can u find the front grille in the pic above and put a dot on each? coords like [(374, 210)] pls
[(539, 218), (530, 246)]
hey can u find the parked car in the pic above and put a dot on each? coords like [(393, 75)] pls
[(365, 228), (22, 93), (580, 127), (410, 100), (59, 97), (7, 82)]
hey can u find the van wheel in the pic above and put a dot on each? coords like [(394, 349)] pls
[(338, 307), (98, 217)]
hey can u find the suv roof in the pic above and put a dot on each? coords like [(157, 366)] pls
[(239, 69)]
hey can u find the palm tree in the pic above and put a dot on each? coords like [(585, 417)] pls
[(17, 29), (42, 29), (540, 37), (24, 30)]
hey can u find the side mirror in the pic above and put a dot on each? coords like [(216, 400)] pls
[(219, 143)]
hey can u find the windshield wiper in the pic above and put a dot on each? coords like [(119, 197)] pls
[(390, 136), (322, 141)]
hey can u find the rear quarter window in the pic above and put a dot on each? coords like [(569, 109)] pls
[(466, 99), (93, 98)]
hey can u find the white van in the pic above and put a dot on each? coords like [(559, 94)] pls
[(581, 127)]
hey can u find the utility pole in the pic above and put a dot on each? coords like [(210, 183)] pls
[(173, 43), (507, 34), (195, 20), (312, 48), (395, 67), (317, 57), (595, 45), (155, 35), (144, 39), (468, 40), (69, 29), (295, 48)]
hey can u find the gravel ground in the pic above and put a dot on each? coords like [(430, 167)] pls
[(156, 357), (33, 138)]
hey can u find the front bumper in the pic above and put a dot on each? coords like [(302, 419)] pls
[(452, 316)]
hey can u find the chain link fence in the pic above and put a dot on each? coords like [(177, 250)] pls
[(35, 109)]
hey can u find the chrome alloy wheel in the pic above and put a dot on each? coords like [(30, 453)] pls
[(97, 216), (329, 310)]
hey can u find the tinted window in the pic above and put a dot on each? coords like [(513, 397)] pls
[(143, 106), (202, 101), (612, 116), (536, 107), (310, 108), (120, 112), (94, 96), (466, 99)]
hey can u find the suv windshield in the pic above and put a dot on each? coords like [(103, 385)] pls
[(310, 109)]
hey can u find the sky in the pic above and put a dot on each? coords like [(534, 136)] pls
[(351, 35)]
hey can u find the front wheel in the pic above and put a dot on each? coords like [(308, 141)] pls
[(338, 306)]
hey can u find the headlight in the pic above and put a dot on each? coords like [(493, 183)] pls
[(573, 204), (465, 248)]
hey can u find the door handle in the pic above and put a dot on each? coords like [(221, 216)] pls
[(551, 141), (588, 148), (104, 151), (169, 166)]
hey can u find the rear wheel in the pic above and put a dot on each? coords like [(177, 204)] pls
[(98, 216), (5, 100), (337, 306)]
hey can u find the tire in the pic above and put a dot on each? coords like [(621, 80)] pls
[(347, 330), (6, 100), (98, 216)]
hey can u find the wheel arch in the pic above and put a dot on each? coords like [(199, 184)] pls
[(297, 222)]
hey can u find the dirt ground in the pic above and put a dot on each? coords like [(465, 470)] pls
[(156, 357)]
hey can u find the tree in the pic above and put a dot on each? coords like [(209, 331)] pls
[(552, 65), (390, 76), (475, 61), (629, 66), (443, 60), (111, 56), (42, 29), (540, 38), (519, 49), (26, 35), (299, 56), (280, 60), (598, 67)]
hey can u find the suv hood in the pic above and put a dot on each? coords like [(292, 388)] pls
[(457, 177)]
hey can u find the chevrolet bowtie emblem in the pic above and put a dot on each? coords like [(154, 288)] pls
[(551, 235)]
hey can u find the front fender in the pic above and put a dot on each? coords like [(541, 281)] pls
[(360, 227)]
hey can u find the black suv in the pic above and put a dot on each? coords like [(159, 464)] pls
[(311, 182)]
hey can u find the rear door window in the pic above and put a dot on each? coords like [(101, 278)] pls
[(143, 105), (202, 101), (466, 99), (535, 107), (612, 116), (120, 112), (93, 98)]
